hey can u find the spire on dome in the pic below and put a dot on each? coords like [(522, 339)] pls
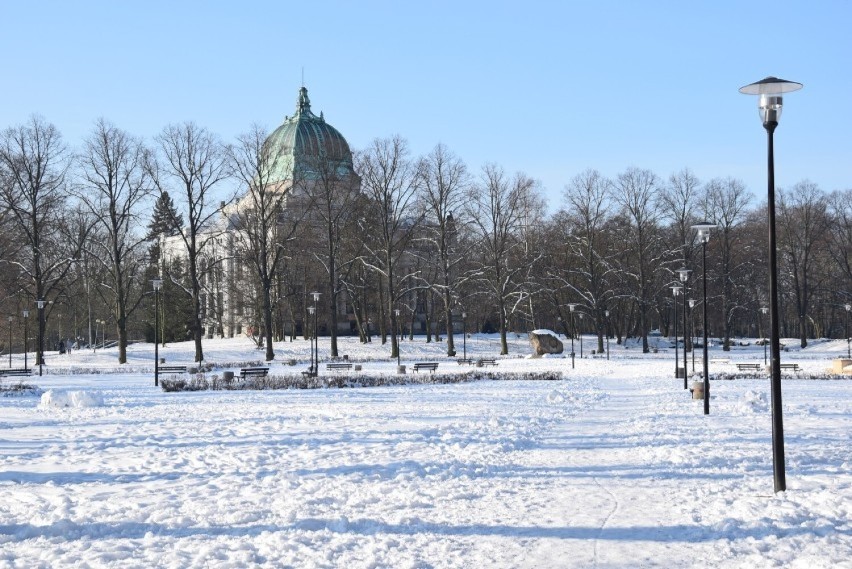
[(304, 104)]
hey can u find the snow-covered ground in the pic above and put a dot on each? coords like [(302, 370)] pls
[(613, 466)]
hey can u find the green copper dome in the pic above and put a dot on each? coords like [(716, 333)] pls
[(307, 146)]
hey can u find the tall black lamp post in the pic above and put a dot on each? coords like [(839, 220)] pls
[(683, 273), (703, 230), (770, 91), (572, 307), (40, 356), (764, 310), (26, 314), (676, 290), (157, 284), (312, 311), (692, 302), (606, 313), (464, 336), (848, 347), (10, 342)]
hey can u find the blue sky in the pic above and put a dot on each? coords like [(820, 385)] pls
[(547, 88)]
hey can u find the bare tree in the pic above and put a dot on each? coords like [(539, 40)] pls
[(35, 162), (389, 181), (586, 239), (496, 206), (193, 162), (114, 187), (803, 213), (445, 180), (635, 191), (264, 227), (726, 204), (333, 190)]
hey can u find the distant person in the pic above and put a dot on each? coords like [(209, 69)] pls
[(61, 347)]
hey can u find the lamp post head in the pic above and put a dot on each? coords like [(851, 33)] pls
[(606, 313), (683, 273), (316, 296), (26, 313), (691, 303), (464, 314), (572, 307), (157, 283), (396, 311), (848, 307), (703, 230), (765, 309), (770, 90), (40, 303), (311, 309), (676, 290)]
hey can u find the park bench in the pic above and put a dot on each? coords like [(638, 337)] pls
[(791, 367), (171, 369), (431, 366), (467, 361), (338, 366), (16, 372), (486, 362), (254, 372), (746, 367)]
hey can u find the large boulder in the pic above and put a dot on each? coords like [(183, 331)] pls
[(545, 342)]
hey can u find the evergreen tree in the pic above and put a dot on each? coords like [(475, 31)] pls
[(165, 220)]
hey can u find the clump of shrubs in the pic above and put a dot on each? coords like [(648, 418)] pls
[(19, 389), (199, 382)]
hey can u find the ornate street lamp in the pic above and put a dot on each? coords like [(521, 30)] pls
[(40, 356), (572, 307), (770, 91), (606, 313), (848, 348), (703, 230), (676, 290), (683, 273), (157, 284)]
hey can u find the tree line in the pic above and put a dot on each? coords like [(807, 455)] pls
[(405, 244)]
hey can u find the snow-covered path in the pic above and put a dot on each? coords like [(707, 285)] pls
[(612, 467)]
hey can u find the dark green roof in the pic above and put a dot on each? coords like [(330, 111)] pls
[(306, 140)]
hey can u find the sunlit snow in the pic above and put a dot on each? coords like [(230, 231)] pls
[(612, 466)]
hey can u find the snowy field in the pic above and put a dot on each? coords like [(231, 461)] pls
[(613, 466)]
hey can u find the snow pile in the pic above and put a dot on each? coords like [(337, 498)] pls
[(752, 402), (545, 331), (78, 399)]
